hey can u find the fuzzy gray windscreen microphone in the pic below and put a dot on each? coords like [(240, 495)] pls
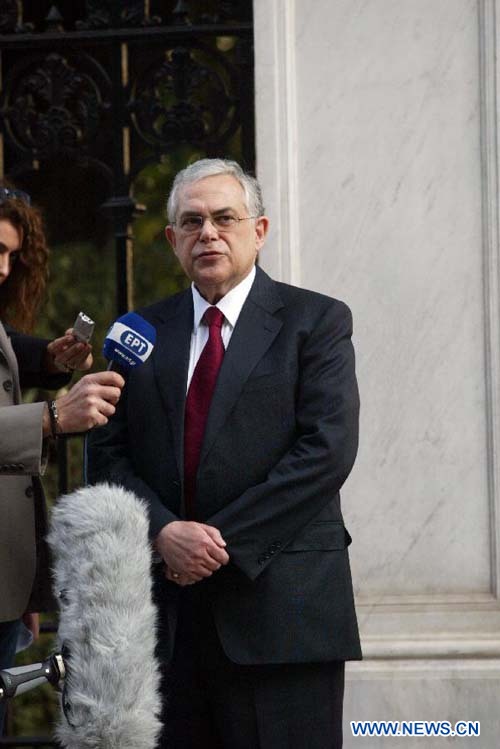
[(107, 630)]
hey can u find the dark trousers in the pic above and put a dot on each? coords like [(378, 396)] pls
[(8, 641), (213, 703)]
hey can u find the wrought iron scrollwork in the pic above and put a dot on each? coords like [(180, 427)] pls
[(217, 12), (52, 104), (113, 14), (186, 98), (229, 10), (10, 17), (100, 15)]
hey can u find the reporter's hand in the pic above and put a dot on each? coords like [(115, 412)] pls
[(190, 550), (90, 402), (66, 354), (32, 622)]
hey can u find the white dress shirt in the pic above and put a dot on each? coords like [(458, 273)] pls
[(230, 305)]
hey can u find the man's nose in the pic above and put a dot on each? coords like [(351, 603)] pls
[(208, 230)]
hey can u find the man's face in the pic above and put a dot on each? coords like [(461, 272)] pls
[(10, 245), (216, 259)]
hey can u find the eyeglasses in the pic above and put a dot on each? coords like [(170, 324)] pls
[(6, 193), (222, 221)]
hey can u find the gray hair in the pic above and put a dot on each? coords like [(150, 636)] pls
[(211, 168)]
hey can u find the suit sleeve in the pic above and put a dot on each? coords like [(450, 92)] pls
[(21, 439), (267, 516), (109, 460), (30, 354)]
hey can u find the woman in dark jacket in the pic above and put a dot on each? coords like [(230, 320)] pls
[(26, 361)]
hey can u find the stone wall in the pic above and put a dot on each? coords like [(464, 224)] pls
[(377, 151)]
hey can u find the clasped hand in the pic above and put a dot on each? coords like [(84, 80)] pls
[(66, 354), (191, 551)]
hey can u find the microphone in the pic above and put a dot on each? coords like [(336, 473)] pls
[(129, 342), (107, 627)]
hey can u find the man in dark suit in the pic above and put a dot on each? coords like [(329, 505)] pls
[(239, 432)]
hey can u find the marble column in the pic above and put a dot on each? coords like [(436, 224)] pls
[(377, 148)]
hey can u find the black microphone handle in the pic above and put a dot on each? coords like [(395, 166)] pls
[(113, 366)]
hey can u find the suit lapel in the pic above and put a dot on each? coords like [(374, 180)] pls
[(171, 361), (256, 329)]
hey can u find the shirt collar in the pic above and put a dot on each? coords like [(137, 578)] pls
[(230, 305)]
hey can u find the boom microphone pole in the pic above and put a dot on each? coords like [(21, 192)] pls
[(20, 679)]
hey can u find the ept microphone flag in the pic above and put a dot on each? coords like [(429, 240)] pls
[(129, 341)]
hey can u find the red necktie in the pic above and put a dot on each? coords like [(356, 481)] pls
[(198, 402)]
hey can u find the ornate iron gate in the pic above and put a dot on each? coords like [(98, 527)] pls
[(119, 83), (114, 86)]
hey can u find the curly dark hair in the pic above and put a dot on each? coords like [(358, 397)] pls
[(22, 292)]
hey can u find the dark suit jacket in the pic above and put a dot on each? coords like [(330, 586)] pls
[(280, 441)]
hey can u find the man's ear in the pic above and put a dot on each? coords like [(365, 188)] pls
[(261, 229), (170, 235)]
